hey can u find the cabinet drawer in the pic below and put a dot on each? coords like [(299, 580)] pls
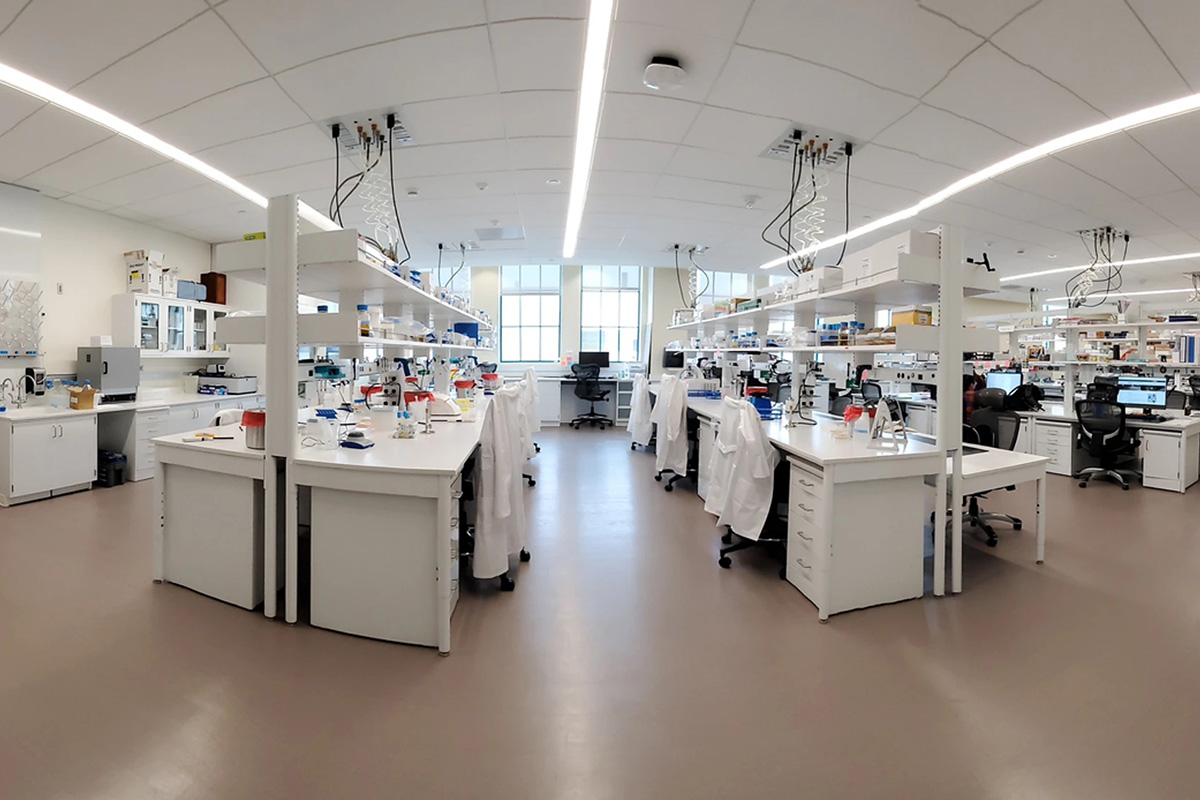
[(1046, 433), (803, 574), (801, 543), (804, 480), (806, 507)]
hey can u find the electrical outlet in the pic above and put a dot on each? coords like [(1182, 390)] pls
[(831, 144), (59, 288)]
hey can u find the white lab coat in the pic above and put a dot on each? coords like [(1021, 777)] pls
[(640, 428), (751, 478), (525, 418), (670, 414), (721, 463), (500, 516), (533, 405)]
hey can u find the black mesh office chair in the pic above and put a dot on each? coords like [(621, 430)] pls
[(1194, 385), (587, 387), (1103, 433), (998, 428), (871, 393), (1176, 399), (840, 404)]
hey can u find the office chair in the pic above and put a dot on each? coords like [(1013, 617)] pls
[(1103, 390), (226, 416), (1194, 385), (871, 393), (998, 428), (1102, 432), (1176, 399), (587, 387), (840, 404)]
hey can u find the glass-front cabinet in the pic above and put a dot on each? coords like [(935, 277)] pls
[(200, 329), (177, 325), (150, 325), (216, 348)]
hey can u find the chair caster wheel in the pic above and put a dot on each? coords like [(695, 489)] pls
[(658, 478), (727, 538), (507, 584), (532, 482), (633, 447), (537, 448), (1017, 526), (525, 556), (991, 543), (669, 488), (724, 562), (1083, 484), (1126, 487)]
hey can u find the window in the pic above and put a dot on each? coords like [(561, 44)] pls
[(610, 311), (530, 297), (883, 317), (724, 285)]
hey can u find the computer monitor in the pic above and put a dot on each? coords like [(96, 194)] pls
[(1141, 391), (597, 357), (1004, 380)]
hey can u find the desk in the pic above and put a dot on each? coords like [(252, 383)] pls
[(559, 403), (844, 551)]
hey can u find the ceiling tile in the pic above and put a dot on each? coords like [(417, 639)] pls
[(451, 159), (147, 183), (539, 113), (500, 10), (538, 54), (541, 152), (634, 44), (650, 117), (734, 131), (44, 138), (298, 178), (612, 182), (806, 92), (130, 214), (15, 106), (178, 69), (86, 37), (1174, 26), (895, 45), (87, 202), (336, 85), (750, 171), (533, 181), (982, 18), (1074, 42), (207, 195), (1179, 208), (463, 119), (1133, 216), (283, 38), (248, 110), (718, 19), (1062, 182), (628, 154), (1014, 203), (996, 91), (101, 162), (1173, 142), (714, 192), (1120, 161), (898, 168), (222, 223), (941, 136), (300, 145)]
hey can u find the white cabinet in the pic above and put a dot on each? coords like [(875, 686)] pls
[(1170, 461), (181, 419), (165, 325), (1055, 441), (550, 397), (919, 418), (40, 459)]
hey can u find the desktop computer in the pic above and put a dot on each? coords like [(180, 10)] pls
[(1145, 392), (597, 357)]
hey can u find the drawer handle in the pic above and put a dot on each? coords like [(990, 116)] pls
[(802, 536), (454, 522), (456, 495), (804, 508), (800, 561), (806, 483)]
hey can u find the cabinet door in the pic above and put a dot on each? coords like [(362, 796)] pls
[(75, 452), (1160, 456), (200, 324), (550, 397), (212, 333), (175, 329), (33, 448), (150, 325), (184, 418)]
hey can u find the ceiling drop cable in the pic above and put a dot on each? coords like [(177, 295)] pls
[(707, 279)]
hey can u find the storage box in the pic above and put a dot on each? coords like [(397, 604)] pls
[(145, 279), (144, 258), (102, 341), (912, 315), (170, 284), (819, 279), (190, 290), (82, 399), (881, 257), (214, 286)]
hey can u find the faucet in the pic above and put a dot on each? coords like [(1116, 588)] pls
[(16, 391)]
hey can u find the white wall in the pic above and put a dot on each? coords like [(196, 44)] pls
[(83, 250)]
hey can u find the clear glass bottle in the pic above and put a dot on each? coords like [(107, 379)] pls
[(364, 321)]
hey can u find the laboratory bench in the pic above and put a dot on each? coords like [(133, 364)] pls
[(47, 451), (556, 393), (383, 525)]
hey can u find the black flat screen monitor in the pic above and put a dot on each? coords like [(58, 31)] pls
[(1143, 392), (597, 357)]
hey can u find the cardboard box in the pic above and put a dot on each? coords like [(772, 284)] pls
[(170, 284), (82, 399), (145, 280), (881, 257), (912, 315), (821, 279), (141, 258)]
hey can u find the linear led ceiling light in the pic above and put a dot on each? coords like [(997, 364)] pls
[(30, 85), (19, 232), (1172, 108), (591, 93), (1130, 262)]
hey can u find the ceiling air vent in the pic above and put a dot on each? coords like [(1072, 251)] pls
[(500, 234)]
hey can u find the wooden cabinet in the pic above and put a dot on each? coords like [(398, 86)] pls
[(43, 458)]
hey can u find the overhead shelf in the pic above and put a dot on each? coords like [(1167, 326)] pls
[(909, 339), (336, 267), (913, 281), (193, 355), (327, 330)]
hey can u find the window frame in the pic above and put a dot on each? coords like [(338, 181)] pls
[(618, 290), (500, 326)]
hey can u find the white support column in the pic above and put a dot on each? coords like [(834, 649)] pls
[(282, 299), (950, 409)]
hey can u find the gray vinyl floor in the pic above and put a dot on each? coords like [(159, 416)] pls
[(625, 665)]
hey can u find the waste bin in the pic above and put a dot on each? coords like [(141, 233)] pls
[(110, 469)]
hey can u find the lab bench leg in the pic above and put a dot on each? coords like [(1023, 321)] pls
[(939, 536), (291, 550), (270, 526), (160, 485), (1041, 520)]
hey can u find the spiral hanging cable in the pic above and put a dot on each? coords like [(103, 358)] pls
[(810, 227), (377, 205)]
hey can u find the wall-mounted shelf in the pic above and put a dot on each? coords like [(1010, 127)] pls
[(909, 339), (326, 330), (190, 356)]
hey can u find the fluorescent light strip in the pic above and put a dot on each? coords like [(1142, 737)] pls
[(1172, 108), (19, 232), (30, 85), (591, 93), (1132, 294), (1129, 263)]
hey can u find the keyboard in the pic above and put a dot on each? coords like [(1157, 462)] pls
[(1148, 417)]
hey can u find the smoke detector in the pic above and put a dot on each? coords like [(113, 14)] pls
[(664, 74)]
